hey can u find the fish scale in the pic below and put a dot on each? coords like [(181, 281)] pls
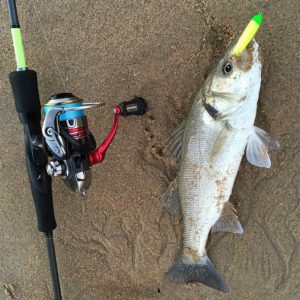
[(195, 153)]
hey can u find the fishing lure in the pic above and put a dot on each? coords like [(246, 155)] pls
[(248, 34)]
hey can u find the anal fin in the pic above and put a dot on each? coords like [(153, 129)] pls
[(228, 221)]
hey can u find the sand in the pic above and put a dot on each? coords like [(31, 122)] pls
[(118, 241)]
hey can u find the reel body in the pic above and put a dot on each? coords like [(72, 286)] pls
[(71, 145)]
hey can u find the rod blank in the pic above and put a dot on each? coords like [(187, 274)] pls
[(13, 14), (53, 265)]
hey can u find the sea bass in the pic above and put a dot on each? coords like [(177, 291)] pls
[(209, 146)]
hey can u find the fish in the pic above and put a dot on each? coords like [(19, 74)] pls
[(209, 146)]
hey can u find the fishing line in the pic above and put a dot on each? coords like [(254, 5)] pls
[(44, 33), (264, 4)]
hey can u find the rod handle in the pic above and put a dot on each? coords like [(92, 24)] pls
[(25, 89)]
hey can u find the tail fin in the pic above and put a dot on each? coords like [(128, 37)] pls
[(185, 270)]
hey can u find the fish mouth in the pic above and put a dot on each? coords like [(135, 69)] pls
[(211, 110)]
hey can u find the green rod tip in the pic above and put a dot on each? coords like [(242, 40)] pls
[(258, 18)]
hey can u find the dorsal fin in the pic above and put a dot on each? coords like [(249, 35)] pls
[(174, 145), (170, 199)]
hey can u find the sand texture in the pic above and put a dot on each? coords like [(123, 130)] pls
[(118, 242)]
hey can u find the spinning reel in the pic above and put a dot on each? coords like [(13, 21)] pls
[(71, 145)]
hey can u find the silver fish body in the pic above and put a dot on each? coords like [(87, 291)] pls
[(210, 145), (210, 159)]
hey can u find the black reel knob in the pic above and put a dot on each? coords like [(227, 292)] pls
[(136, 106)]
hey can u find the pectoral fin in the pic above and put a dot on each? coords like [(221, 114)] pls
[(170, 199), (228, 221), (259, 144), (174, 146)]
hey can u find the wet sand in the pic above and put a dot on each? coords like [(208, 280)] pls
[(118, 241)]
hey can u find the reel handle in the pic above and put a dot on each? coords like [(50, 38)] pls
[(136, 106)]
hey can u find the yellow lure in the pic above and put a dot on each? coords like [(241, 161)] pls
[(248, 34)]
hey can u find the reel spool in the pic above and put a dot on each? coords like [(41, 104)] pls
[(71, 145)]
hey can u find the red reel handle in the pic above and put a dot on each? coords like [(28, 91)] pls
[(96, 156)]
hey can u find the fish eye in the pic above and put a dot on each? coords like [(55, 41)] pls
[(227, 68)]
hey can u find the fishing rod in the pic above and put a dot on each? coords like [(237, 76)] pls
[(63, 146), (25, 89)]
